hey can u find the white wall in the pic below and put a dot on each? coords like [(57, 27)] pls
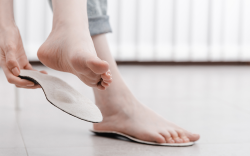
[(157, 30), (34, 19)]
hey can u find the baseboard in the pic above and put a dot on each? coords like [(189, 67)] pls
[(167, 63), (180, 63)]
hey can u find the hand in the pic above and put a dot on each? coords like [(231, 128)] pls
[(13, 57)]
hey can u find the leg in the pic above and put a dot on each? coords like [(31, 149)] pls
[(123, 113)]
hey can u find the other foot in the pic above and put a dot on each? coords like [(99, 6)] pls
[(126, 115), (73, 51)]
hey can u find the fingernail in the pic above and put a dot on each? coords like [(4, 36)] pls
[(15, 71), (30, 85)]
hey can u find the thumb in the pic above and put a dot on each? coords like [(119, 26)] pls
[(12, 63)]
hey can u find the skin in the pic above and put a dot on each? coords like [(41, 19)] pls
[(66, 48), (12, 54), (70, 48), (122, 112)]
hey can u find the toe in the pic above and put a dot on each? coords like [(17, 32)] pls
[(194, 137), (178, 140), (100, 87), (185, 139), (97, 65), (107, 76), (91, 81), (104, 84), (175, 136), (108, 81), (191, 136), (167, 137), (151, 137), (159, 139), (182, 135)]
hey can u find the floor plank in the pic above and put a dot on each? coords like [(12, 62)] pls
[(210, 100)]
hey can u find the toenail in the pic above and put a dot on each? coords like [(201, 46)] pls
[(178, 140)]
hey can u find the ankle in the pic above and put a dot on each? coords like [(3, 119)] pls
[(70, 14), (69, 25), (112, 102)]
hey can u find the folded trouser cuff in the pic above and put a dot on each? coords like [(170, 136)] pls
[(99, 25)]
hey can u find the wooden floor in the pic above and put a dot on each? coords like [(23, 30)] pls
[(211, 100)]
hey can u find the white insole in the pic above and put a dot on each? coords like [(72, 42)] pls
[(141, 141), (64, 97)]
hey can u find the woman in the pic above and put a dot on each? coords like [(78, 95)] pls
[(77, 44)]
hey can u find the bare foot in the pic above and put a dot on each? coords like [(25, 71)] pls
[(123, 113), (69, 50)]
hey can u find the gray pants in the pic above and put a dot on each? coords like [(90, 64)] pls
[(97, 15)]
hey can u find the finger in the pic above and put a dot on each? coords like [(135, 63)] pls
[(13, 66), (43, 71), (11, 61), (29, 66), (34, 87), (16, 80)]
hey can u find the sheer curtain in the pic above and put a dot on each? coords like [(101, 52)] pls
[(157, 30)]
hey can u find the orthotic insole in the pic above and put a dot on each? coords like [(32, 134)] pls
[(104, 133), (63, 96)]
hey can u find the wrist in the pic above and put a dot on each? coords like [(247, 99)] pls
[(7, 24), (6, 13), (11, 27)]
